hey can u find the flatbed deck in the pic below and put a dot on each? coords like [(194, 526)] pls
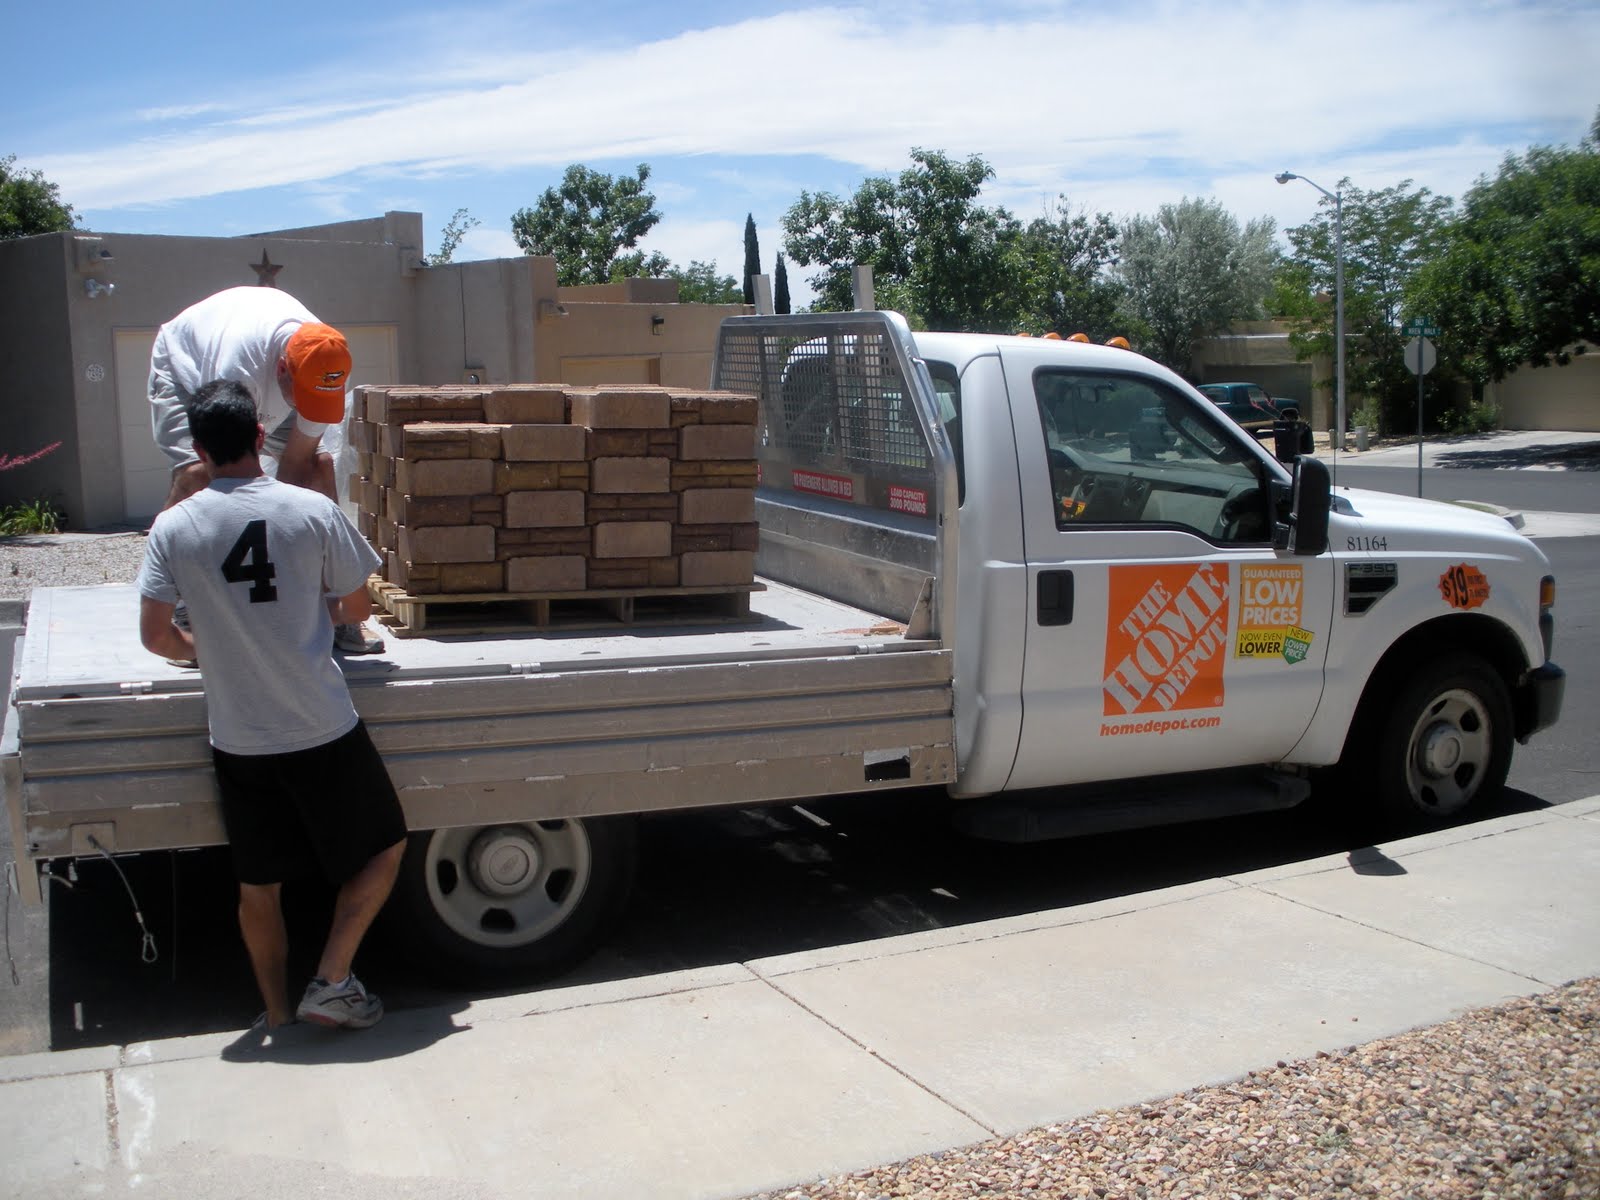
[(810, 697)]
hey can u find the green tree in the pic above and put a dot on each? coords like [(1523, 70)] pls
[(1064, 259), (699, 283), (1388, 235), (1188, 272), (937, 256), (752, 258), (450, 238), (780, 288), (1518, 280), (636, 264), (29, 203), (587, 222)]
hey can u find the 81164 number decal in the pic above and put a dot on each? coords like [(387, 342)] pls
[(1362, 542)]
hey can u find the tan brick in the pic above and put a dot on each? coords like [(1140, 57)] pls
[(621, 408), (549, 573), (607, 443), (543, 443), (519, 543), (663, 442), (609, 575), (664, 572), (544, 508), (447, 544), (388, 534), (716, 506), (425, 441), (633, 539), (717, 568), (631, 475), (382, 471), (363, 435), (533, 404), (717, 442), (365, 495), (446, 477), (687, 538), (428, 510), (367, 525), (656, 507), (715, 408), (417, 578), (472, 577), (485, 440), (405, 405), (524, 476)]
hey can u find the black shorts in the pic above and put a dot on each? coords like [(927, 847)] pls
[(333, 804)]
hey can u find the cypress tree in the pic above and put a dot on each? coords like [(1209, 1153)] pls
[(780, 288), (752, 258)]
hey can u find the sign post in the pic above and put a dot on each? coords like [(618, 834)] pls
[(1420, 359)]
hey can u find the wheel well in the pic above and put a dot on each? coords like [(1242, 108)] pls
[(1466, 632)]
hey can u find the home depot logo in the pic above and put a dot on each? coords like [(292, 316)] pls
[(1166, 637)]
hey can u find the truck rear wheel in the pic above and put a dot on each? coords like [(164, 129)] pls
[(1443, 745), (527, 898)]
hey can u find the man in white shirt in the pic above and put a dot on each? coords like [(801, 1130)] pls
[(298, 370), (298, 777)]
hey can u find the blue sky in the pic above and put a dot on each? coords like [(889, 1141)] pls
[(186, 119)]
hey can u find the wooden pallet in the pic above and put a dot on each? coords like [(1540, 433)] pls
[(404, 615)]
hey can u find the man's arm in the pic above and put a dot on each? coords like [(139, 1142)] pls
[(353, 608), (157, 632)]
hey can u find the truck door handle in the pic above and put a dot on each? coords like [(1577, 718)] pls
[(1055, 597)]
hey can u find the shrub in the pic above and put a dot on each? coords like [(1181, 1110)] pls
[(34, 516)]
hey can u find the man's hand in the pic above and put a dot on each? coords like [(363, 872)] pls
[(158, 634)]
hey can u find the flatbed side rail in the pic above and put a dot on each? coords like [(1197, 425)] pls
[(858, 491)]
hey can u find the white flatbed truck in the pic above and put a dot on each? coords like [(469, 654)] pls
[(1047, 577)]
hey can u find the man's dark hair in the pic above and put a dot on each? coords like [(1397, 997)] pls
[(222, 421)]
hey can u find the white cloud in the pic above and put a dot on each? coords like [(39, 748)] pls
[(1121, 108)]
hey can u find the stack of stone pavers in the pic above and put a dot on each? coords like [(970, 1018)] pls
[(541, 489)]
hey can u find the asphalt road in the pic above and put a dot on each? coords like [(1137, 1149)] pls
[(727, 886)]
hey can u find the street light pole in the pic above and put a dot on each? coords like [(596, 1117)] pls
[(1338, 309)]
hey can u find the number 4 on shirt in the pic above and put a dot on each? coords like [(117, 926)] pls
[(248, 563)]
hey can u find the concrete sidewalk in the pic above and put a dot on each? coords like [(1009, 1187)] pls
[(731, 1080)]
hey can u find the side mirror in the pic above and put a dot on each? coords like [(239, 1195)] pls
[(1310, 500)]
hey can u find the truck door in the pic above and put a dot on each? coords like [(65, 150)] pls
[(1164, 633)]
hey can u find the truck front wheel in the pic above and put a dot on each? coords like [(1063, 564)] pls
[(526, 898), (1443, 744)]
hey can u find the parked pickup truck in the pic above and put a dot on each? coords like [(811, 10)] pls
[(1249, 406), (972, 582)]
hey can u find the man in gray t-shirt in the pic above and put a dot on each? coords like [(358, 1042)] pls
[(253, 559)]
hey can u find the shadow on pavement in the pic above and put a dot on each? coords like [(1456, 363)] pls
[(1575, 456), (714, 888)]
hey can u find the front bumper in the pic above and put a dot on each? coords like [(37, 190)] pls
[(1537, 701)]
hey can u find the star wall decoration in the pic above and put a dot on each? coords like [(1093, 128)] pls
[(266, 271)]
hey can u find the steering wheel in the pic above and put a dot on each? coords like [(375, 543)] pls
[(1240, 517)]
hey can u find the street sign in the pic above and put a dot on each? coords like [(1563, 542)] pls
[(1421, 357), (1420, 327)]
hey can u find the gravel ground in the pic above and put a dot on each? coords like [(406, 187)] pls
[(1503, 1102), (67, 560)]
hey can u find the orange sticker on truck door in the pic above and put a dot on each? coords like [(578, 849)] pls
[(1166, 637)]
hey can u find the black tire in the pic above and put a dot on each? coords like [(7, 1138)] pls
[(1441, 747), (525, 899)]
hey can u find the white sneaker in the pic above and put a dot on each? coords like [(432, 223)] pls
[(354, 639), (347, 1004)]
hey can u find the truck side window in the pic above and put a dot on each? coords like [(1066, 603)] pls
[(947, 386), (1127, 450)]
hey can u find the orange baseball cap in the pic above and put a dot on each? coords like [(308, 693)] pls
[(319, 367)]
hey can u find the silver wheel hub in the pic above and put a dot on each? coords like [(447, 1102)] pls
[(503, 862), (1452, 746), (1441, 750)]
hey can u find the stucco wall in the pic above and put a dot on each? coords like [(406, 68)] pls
[(1552, 397), (37, 395)]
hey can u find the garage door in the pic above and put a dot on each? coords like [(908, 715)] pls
[(146, 471)]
